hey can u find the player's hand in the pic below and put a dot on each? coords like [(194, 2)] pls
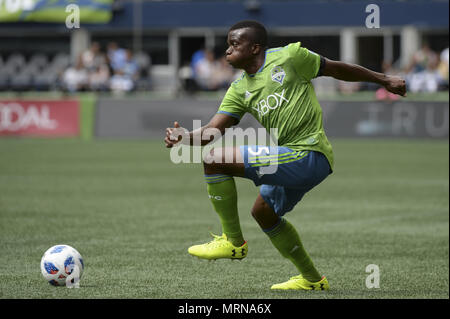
[(396, 85), (174, 135)]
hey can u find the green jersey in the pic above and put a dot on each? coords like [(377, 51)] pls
[(280, 95)]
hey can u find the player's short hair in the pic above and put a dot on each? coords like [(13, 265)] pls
[(258, 34)]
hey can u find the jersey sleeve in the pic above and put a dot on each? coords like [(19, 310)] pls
[(307, 63), (232, 104)]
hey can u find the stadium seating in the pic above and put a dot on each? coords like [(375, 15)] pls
[(144, 63), (42, 72), (38, 72)]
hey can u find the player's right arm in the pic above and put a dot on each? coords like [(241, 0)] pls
[(230, 112), (356, 73), (202, 136), (310, 65)]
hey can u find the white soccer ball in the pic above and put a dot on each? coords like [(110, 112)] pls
[(62, 265)]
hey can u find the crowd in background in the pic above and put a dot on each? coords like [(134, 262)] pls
[(427, 71), (115, 70), (207, 72)]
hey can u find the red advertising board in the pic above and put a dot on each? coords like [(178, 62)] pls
[(40, 118)]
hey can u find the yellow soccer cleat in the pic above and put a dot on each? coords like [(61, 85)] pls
[(219, 247), (300, 283)]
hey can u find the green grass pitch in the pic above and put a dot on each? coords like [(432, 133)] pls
[(132, 214)]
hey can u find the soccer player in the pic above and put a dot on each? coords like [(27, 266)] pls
[(276, 89)]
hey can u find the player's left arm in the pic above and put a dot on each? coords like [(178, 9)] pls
[(356, 73)]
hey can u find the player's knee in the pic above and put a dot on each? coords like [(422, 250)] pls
[(258, 210)]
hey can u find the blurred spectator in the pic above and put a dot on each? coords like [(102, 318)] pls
[(130, 66), (422, 75), (444, 56), (118, 70), (423, 59), (207, 73), (121, 83), (223, 74), (186, 76), (99, 78), (144, 64), (204, 71), (117, 56), (95, 63), (443, 69), (124, 79), (198, 56), (75, 78), (93, 57)]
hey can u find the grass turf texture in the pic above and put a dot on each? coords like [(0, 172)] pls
[(132, 214)]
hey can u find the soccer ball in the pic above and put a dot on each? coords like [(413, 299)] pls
[(62, 265)]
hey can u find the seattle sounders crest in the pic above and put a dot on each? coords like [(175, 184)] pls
[(278, 74)]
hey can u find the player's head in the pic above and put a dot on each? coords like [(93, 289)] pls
[(246, 39), (255, 31)]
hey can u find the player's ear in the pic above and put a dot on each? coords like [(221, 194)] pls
[(256, 49)]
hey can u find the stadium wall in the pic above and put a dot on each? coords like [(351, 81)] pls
[(48, 117), (400, 119), (88, 116)]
